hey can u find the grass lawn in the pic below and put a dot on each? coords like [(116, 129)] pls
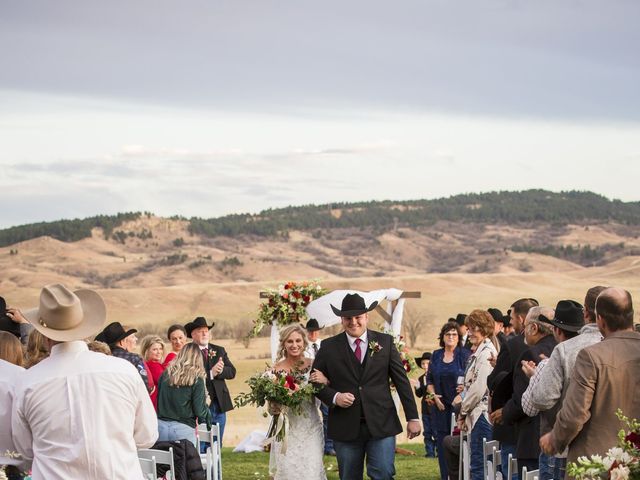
[(244, 466)]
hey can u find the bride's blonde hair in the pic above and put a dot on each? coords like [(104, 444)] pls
[(285, 333)]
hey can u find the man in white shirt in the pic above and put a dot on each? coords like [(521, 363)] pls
[(313, 336), (80, 414), (9, 375)]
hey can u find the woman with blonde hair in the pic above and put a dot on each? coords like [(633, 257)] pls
[(152, 351), (182, 396), (474, 412), (11, 349), (37, 349), (305, 438)]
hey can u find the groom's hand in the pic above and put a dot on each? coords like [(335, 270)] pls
[(413, 428), (344, 400)]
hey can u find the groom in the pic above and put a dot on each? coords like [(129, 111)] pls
[(362, 416)]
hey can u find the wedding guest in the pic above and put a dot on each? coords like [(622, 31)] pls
[(11, 349), (100, 347), (605, 378), (15, 323), (474, 414), (218, 368), (465, 341), (500, 381), (420, 389), (539, 342), (122, 343), (498, 331), (182, 396), (547, 378), (446, 367), (10, 374), (95, 408), (152, 350), (313, 337), (37, 349), (177, 335)]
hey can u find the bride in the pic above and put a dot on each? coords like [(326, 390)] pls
[(302, 456)]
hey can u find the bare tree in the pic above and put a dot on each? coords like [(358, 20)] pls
[(414, 321)]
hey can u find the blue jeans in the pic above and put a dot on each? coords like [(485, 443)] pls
[(551, 467), (380, 454), (482, 429), (429, 435), (169, 430)]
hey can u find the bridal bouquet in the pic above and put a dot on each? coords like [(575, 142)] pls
[(288, 389), (619, 463)]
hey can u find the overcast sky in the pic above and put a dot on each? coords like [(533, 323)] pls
[(207, 108)]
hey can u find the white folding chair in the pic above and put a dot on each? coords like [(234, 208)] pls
[(453, 423), (494, 466), (512, 467), (487, 450), (148, 468), (464, 467), (211, 459), (162, 457), (532, 475)]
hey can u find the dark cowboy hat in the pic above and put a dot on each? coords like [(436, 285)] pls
[(6, 324), (312, 325), (113, 333), (352, 306), (460, 318), (425, 356), (197, 323), (569, 316), (496, 314)]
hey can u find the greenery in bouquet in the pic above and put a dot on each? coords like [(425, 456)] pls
[(287, 389), (619, 463), (286, 305)]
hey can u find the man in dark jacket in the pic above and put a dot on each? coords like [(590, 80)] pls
[(218, 367), (540, 341), (500, 381)]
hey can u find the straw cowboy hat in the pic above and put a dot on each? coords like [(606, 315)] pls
[(64, 315)]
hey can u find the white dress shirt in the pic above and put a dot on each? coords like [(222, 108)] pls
[(9, 375), (363, 345), (310, 352), (82, 415)]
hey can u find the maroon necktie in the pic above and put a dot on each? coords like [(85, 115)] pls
[(357, 351)]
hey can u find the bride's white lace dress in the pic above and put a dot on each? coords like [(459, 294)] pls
[(304, 447)]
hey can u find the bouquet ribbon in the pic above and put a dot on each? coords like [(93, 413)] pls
[(277, 430)]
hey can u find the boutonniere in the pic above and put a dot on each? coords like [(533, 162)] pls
[(374, 347), (212, 353)]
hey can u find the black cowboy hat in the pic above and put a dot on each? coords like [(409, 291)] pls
[(352, 306), (425, 356), (6, 324), (113, 333), (569, 316), (312, 325), (460, 318), (197, 323)]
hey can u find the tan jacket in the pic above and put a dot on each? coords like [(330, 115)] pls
[(606, 377)]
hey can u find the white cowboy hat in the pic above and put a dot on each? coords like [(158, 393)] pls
[(64, 315)]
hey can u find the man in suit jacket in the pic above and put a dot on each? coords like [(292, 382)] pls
[(605, 377), (218, 367), (362, 417)]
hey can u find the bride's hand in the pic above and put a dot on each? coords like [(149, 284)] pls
[(274, 408), (318, 377)]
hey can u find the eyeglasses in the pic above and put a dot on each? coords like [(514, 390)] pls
[(451, 334)]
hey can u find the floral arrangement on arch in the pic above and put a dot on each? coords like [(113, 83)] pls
[(408, 362), (619, 463), (286, 305)]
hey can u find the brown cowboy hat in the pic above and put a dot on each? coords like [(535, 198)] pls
[(64, 315)]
